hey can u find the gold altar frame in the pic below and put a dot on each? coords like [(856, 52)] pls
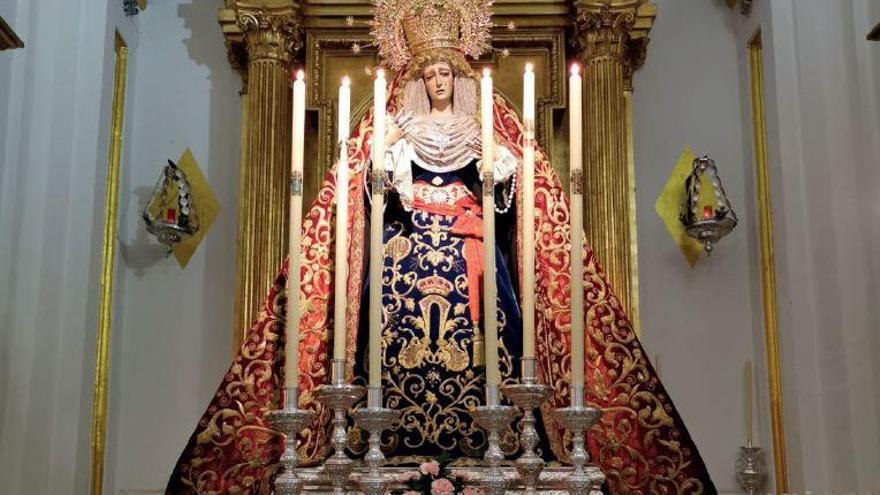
[(327, 37), (108, 272)]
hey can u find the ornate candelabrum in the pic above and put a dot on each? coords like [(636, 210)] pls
[(339, 396), (584, 479), (375, 420), (493, 418), (750, 468), (290, 421), (528, 395)]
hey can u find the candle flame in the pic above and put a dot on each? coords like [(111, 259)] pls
[(529, 67), (346, 81), (300, 75), (575, 69), (486, 72)]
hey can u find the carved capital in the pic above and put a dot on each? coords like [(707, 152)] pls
[(270, 34), (260, 31), (614, 29)]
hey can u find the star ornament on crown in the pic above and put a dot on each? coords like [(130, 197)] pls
[(414, 32)]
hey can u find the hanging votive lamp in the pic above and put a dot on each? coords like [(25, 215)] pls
[(706, 212), (170, 214)]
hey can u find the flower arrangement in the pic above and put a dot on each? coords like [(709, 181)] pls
[(435, 478)]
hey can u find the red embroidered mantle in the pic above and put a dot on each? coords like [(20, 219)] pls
[(641, 442)]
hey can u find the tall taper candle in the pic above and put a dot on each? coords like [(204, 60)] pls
[(490, 304), (575, 151), (748, 387), (376, 245), (291, 344), (341, 266), (528, 215)]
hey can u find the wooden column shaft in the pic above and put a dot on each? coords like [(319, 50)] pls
[(270, 41), (607, 175), (612, 36)]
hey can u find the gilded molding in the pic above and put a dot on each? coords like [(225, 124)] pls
[(108, 271), (548, 44), (768, 273), (326, 47)]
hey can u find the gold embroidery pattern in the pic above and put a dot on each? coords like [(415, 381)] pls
[(427, 365)]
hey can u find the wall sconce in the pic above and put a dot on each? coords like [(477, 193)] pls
[(706, 217), (170, 214)]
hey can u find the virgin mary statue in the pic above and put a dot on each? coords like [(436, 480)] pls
[(432, 371)]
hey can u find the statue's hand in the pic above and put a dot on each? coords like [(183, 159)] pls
[(392, 136), (399, 128), (476, 146)]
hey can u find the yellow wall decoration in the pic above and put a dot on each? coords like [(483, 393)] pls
[(205, 203), (668, 207)]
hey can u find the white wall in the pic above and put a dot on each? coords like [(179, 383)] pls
[(172, 328), (55, 97), (174, 341), (821, 80), (698, 320)]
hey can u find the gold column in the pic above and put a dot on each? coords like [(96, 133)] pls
[(612, 38), (269, 35)]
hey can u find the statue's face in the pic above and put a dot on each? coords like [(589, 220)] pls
[(438, 79)]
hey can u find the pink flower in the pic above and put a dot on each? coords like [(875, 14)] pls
[(471, 491), (408, 476), (442, 487), (431, 468)]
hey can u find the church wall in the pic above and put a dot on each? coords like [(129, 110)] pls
[(55, 97), (702, 322), (821, 81), (174, 342)]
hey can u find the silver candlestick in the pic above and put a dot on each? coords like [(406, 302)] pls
[(584, 479), (750, 468), (339, 396), (493, 418), (528, 395), (375, 419), (290, 421)]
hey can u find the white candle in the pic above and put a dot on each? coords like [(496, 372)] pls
[(341, 276), (376, 245), (575, 151), (748, 386), (490, 304), (528, 215), (291, 344)]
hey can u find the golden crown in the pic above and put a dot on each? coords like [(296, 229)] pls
[(434, 284), (408, 29)]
